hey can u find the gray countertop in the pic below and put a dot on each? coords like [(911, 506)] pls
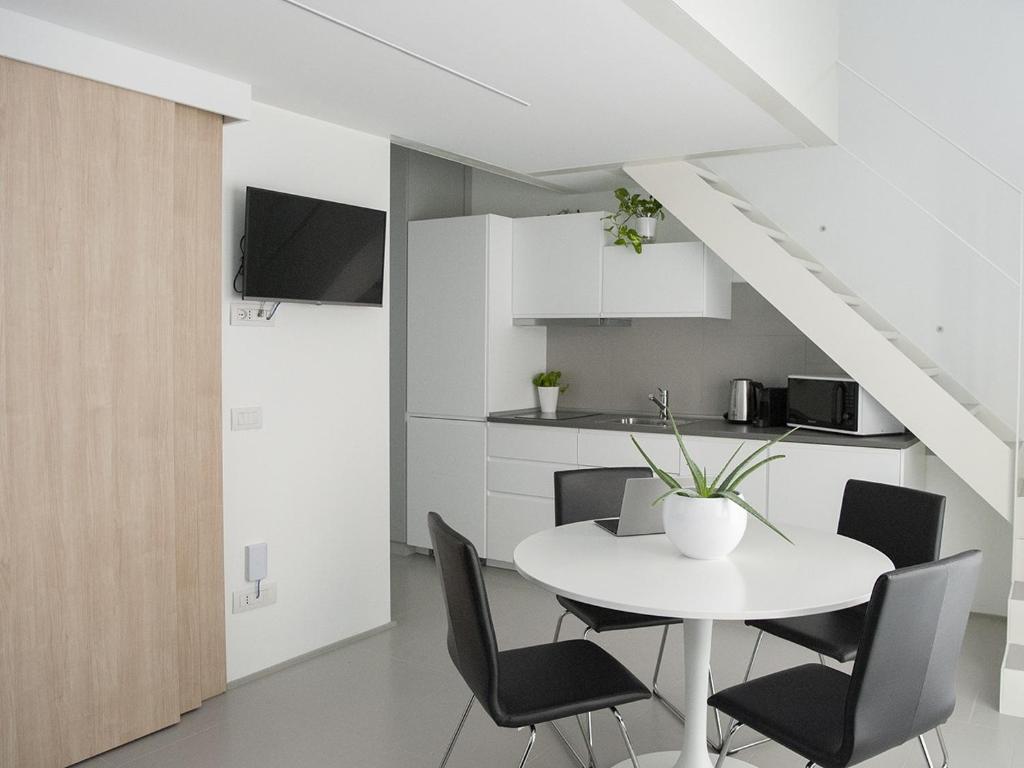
[(698, 426)]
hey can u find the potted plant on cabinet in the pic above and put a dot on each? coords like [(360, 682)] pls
[(548, 389), (644, 212), (707, 520)]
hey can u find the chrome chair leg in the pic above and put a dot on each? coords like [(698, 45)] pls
[(718, 715), (942, 746), (924, 748), (724, 751), (821, 660), (750, 664), (576, 755), (529, 745), (625, 738), (558, 626), (455, 736), (588, 738)]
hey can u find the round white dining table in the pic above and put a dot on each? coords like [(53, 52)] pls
[(765, 577)]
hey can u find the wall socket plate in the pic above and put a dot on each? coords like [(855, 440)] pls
[(246, 418), (252, 313), (246, 600)]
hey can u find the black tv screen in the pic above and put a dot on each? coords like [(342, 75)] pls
[(303, 249)]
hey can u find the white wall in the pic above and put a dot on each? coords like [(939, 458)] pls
[(313, 483), (793, 44), (956, 64)]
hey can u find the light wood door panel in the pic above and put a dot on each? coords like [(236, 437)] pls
[(197, 404), (95, 540)]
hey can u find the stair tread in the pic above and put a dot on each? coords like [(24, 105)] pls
[(931, 371), (707, 175), (853, 301), (890, 335), (810, 266), (743, 205), (1015, 657), (773, 233)]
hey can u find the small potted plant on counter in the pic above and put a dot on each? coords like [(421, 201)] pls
[(644, 212), (548, 389), (707, 520)]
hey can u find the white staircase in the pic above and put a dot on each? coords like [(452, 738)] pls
[(840, 323)]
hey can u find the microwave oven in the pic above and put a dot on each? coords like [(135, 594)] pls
[(836, 404)]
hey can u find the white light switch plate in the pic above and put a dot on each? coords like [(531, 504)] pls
[(246, 418), (246, 600), (252, 313)]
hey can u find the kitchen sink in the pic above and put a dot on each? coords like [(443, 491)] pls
[(648, 421)]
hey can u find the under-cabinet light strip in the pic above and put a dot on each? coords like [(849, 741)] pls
[(406, 51)]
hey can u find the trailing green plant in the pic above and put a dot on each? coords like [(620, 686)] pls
[(631, 207), (549, 379), (723, 486)]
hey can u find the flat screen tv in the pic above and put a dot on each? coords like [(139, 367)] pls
[(303, 249)]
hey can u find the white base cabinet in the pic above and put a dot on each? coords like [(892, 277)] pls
[(806, 488), (447, 467)]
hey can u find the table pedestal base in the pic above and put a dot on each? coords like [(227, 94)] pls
[(669, 759)]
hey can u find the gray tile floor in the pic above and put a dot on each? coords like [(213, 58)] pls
[(393, 699)]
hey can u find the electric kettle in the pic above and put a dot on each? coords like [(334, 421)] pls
[(743, 401)]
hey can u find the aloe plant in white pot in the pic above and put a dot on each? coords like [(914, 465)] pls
[(708, 520)]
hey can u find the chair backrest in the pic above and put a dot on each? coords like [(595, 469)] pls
[(903, 682), (901, 523), (471, 641), (592, 494)]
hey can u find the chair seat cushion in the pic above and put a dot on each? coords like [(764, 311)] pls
[(801, 708), (609, 619), (836, 634), (540, 683)]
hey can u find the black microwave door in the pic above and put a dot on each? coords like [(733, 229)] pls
[(819, 403)]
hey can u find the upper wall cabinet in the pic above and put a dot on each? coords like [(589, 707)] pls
[(563, 268), (557, 266), (666, 280)]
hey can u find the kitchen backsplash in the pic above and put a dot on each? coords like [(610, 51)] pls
[(614, 368)]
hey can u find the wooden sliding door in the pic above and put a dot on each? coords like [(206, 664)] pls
[(110, 516)]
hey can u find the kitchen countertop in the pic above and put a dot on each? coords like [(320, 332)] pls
[(698, 426)]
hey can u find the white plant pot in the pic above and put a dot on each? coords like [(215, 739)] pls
[(548, 399), (704, 529), (645, 227)]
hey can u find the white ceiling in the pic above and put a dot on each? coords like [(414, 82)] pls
[(604, 87)]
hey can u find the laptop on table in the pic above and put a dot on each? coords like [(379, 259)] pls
[(637, 517)]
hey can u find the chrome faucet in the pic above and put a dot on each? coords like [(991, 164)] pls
[(661, 401)]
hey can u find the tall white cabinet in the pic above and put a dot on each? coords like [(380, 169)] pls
[(466, 359)]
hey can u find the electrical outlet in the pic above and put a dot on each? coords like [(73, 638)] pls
[(246, 418), (246, 600), (252, 313)]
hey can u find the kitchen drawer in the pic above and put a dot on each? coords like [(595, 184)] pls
[(510, 519), (514, 441), (529, 478), (599, 448)]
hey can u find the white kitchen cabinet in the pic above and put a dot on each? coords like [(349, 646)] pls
[(510, 519), (447, 474), (466, 358), (557, 266), (711, 453), (611, 448), (806, 487), (666, 280), (521, 462)]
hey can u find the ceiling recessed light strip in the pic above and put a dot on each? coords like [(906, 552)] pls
[(406, 51)]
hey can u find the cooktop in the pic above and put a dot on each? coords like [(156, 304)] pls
[(540, 415)]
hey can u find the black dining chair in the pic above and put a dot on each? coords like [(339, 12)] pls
[(595, 494), (903, 524), (903, 682), (520, 687)]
